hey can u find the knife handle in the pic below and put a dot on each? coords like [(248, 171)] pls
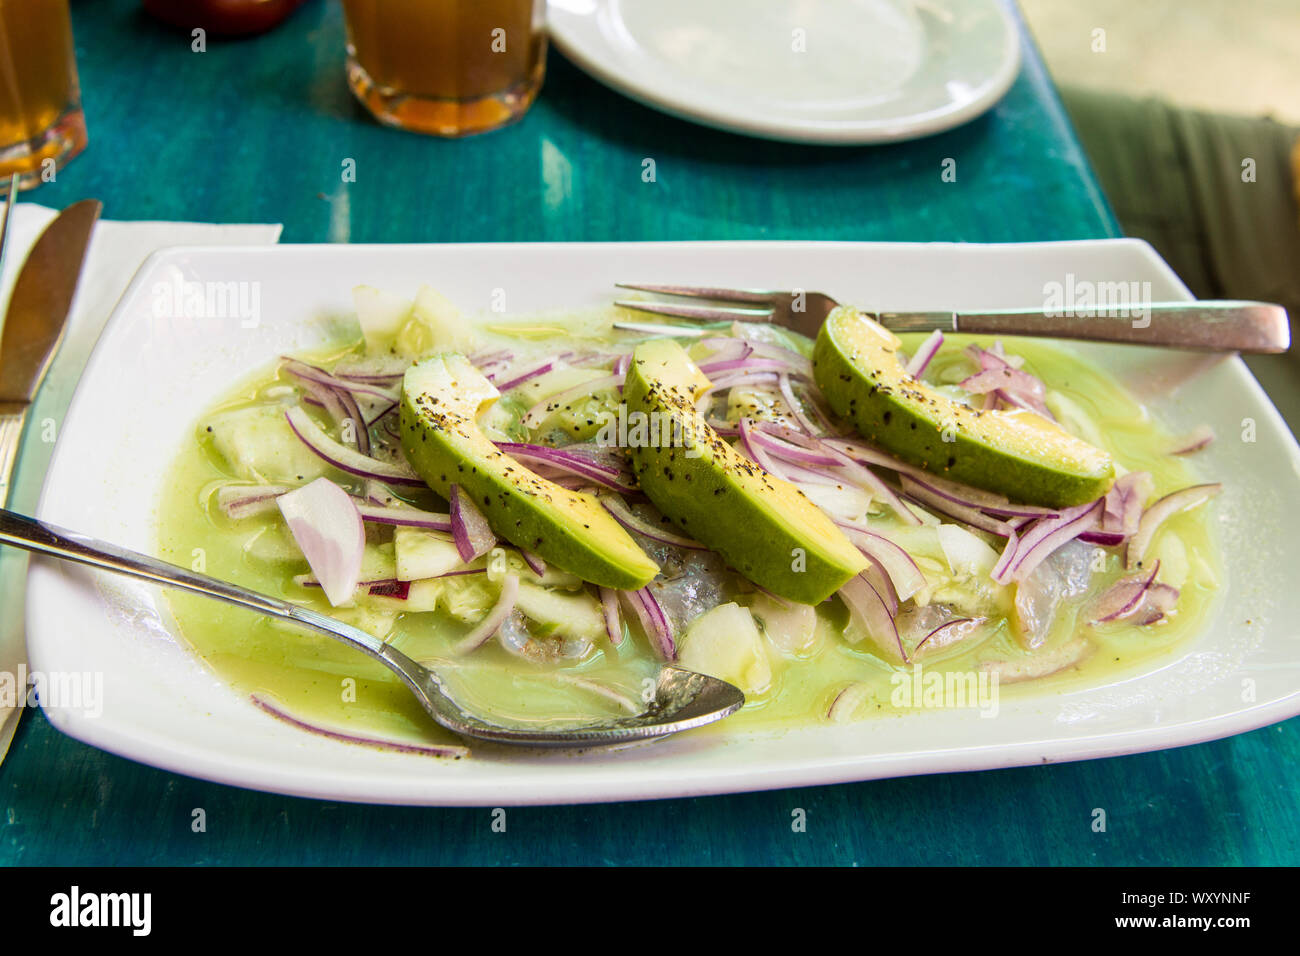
[(11, 436)]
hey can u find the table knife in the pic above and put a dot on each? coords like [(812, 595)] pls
[(34, 323)]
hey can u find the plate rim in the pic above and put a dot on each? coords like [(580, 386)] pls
[(610, 783), (863, 133)]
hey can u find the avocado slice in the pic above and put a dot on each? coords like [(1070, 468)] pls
[(441, 399), (1017, 453), (761, 524)]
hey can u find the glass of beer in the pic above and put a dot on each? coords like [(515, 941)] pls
[(41, 124), (446, 67)]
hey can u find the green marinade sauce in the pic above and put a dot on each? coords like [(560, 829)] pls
[(322, 681)]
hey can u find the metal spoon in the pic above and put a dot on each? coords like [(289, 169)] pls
[(683, 699)]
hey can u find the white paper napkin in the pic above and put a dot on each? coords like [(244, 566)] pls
[(117, 249)]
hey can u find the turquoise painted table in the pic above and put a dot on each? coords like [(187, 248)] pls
[(257, 131)]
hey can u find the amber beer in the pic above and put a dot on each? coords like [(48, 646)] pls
[(41, 124), (448, 67)]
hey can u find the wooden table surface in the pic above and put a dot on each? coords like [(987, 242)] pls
[(258, 131)]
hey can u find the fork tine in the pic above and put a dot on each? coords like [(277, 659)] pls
[(650, 328), (698, 312), (757, 296)]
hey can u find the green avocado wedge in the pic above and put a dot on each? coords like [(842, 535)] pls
[(441, 399), (761, 524), (1016, 453)]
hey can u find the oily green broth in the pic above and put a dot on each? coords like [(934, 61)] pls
[(322, 681)]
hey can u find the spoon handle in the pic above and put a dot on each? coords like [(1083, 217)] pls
[(1258, 327), (37, 536)]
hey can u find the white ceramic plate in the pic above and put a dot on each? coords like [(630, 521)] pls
[(814, 71), (143, 390)]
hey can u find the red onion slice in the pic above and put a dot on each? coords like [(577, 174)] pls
[(1158, 601), (1043, 537), (310, 581), (1123, 597), (846, 468), (870, 612), (1201, 436), (383, 412), (1012, 384), (1123, 503), (1008, 555), (987, 501), (945, 504), (245, 501), (743, 332), (400, 516), (927, 351), (879, 580), (535, 564), (724, 382), (906, 577), (847, 702), (327, 527), (304, 372), (613, 623), (624, 516), (344, 458), (491, 357), (794, 453), (580, 460), (326, 398), (518, 379), (787, 393), (747, 365), (431, 750), (756, 451), (495, 617), (398, 590), (469, 528), (1108, 539), (653, 620), (1161, 511), (937, 635)]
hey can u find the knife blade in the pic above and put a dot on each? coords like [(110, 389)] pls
[(32, 329), (38, 307)]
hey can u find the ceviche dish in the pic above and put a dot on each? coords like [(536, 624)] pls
[(543, 508)]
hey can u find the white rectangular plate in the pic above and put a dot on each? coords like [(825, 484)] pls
[(149, 380)]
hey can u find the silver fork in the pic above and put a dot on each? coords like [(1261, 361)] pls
[(1214, 326)]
